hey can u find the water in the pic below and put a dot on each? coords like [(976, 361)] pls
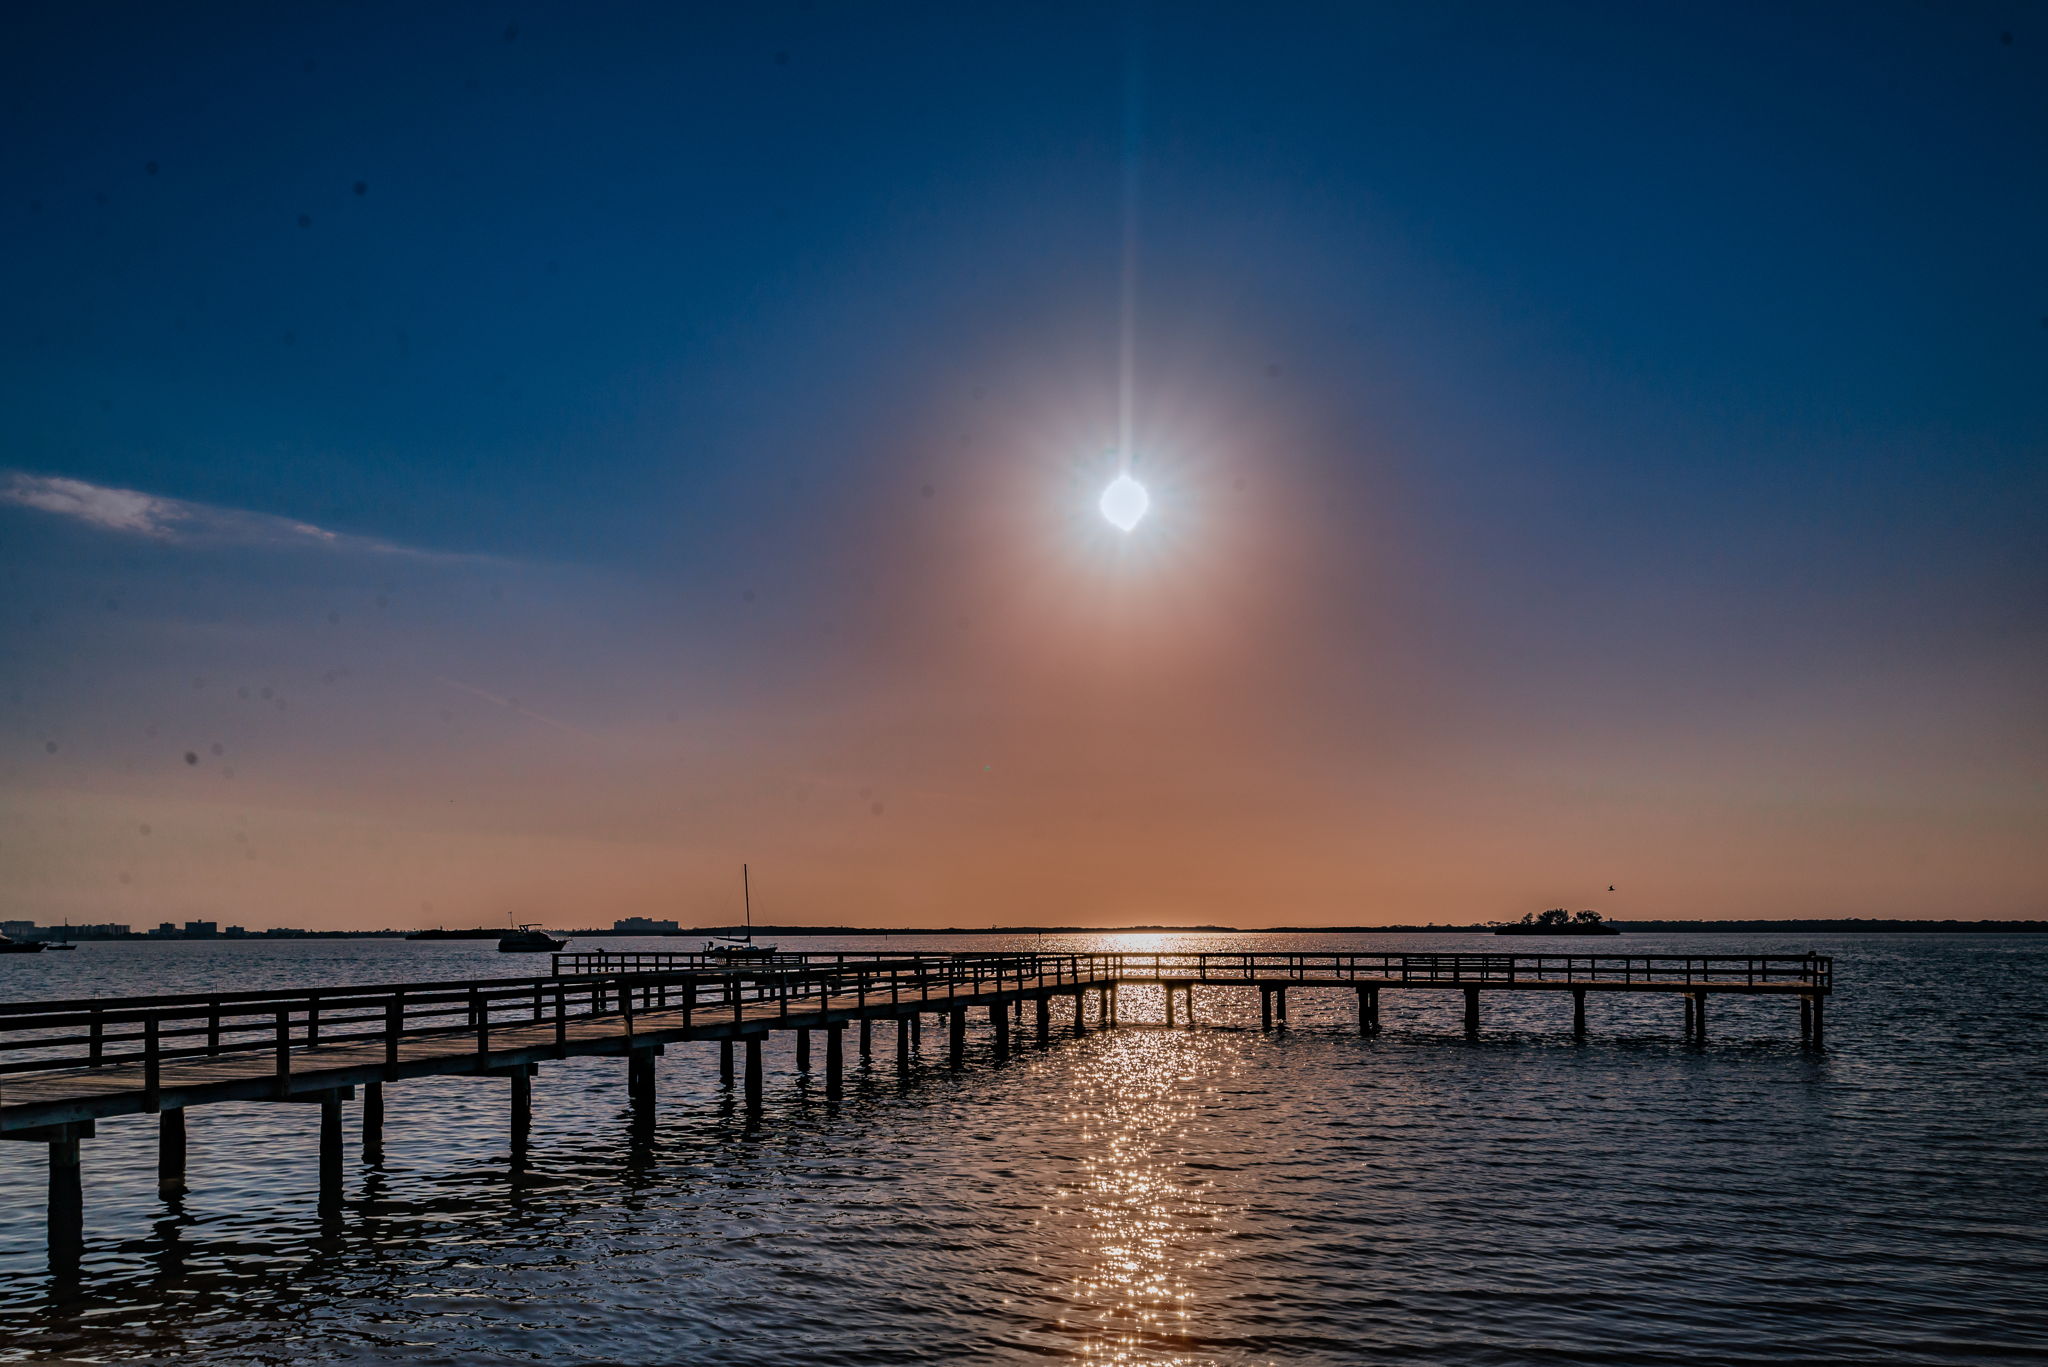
[(1216, 1196)]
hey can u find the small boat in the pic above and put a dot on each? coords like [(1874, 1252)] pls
[(740, 947), (64, 943), (527, 940), (8, 946)]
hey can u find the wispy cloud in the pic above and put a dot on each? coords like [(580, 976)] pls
[(514, 705), (134, 513)]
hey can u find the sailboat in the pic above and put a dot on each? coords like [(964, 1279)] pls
[(740, 946), (64, 942)]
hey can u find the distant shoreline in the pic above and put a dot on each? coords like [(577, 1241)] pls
[(1864, 925)]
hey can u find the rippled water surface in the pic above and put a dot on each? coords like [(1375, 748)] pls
[(1138, 1196)]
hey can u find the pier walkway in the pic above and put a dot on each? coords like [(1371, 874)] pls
[(65, 1065)]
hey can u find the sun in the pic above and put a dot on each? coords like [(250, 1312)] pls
[(1124, 502)]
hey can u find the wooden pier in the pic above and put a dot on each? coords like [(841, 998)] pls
[(65, 1065)]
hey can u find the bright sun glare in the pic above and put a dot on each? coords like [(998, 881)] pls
[(1124, 502)]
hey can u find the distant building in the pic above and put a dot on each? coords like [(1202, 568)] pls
[(283, 931), (201, 930), (232, 932), (29, 930), (164, 931), (640, 925)]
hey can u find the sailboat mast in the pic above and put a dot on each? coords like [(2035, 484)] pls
[(747, 897)]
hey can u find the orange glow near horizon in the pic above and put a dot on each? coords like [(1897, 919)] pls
[(987, 706)]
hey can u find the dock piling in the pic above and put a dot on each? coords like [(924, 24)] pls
[(999, 1021), (1578, 1013), (1265, 1008), (867, 1042), (66, 1203), (725, 1063), (373, 1122), (522, 1108), (640, 1079), (835, 1062), (803, 1051), (170, 1153), (753, 1074), (1471, 1013), (330, 1152), (956, 1037), (1044, 1005)]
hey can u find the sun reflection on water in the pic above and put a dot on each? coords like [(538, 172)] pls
[(1145, 1226)]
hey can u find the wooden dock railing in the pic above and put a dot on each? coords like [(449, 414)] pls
[(153, 1031), (1808, 972)]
